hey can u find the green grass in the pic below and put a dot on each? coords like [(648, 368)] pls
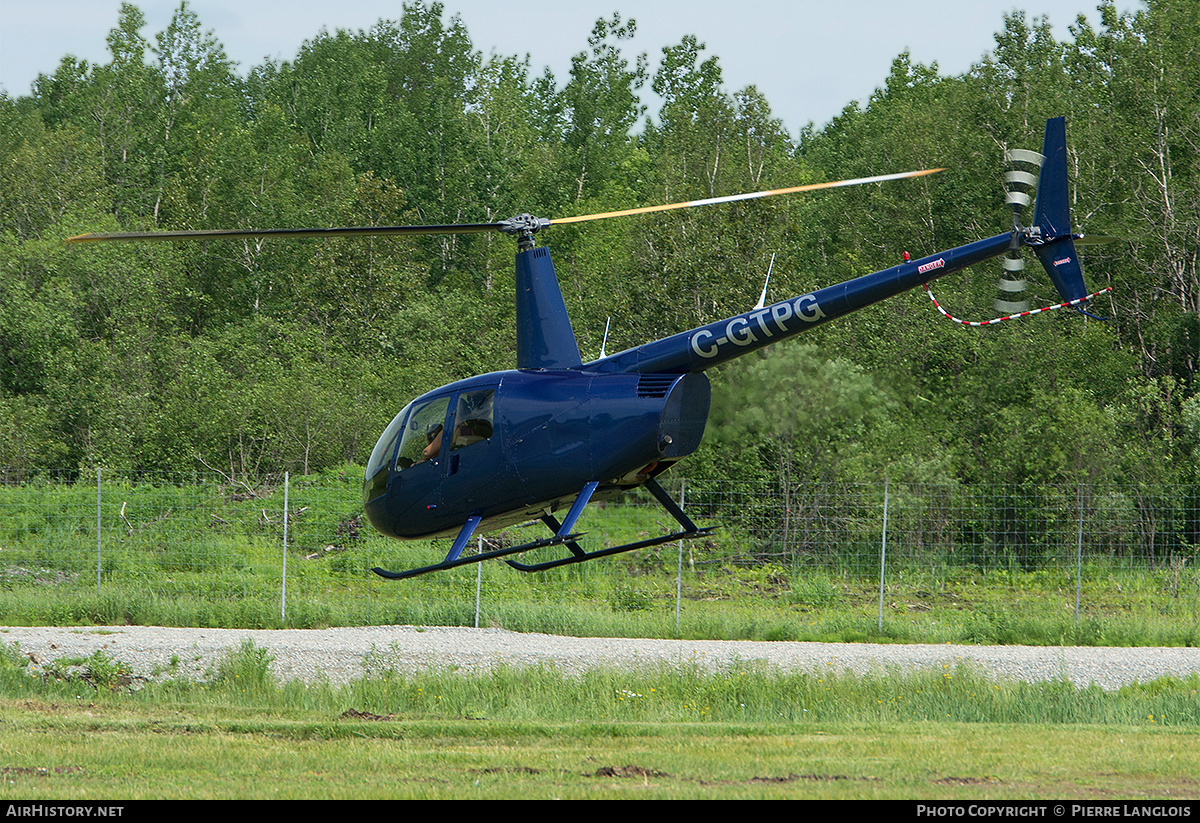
[(537, 733), (717, 603), (628, 599), (211, 556)]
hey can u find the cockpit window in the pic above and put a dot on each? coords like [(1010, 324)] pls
[(473, 418), (422, 438)]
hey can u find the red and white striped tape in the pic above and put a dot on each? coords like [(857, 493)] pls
[(1029, 313)]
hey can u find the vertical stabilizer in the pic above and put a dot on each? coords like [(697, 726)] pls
[(1052, 240), (1052, 212), (545, 339)]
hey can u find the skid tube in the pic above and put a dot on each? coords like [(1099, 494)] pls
[(453, 560), (578, 555)]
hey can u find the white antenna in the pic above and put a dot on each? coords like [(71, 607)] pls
[(605, 341), (762, 300)]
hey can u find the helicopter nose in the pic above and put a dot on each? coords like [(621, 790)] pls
[(376, 486), (376, 511)]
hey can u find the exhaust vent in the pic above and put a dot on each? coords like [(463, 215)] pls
[(655, 385)]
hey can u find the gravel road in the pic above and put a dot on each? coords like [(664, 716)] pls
[(343, 654)]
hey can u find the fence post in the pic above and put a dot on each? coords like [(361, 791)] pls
[(1079, 558), (283, 584), (98, 498), (478, 581), (883, 551), (679, 568)]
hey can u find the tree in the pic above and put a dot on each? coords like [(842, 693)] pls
[(599, 105), (812, 420), (694, 132), (121, 106)]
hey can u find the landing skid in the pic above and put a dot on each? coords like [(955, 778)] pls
[(583, 556), (578, 555), (449, 563), (562, 536)]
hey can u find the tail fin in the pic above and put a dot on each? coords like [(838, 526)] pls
[(545, 339), (1051, 238)]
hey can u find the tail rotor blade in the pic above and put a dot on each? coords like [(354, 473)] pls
[(1094, 239)]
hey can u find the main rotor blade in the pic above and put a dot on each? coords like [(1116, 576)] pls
[(736, 197), (225, 234), (520, 224)]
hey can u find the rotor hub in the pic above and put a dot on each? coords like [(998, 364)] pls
[(524, 226)]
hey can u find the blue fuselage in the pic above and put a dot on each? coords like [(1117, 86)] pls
[(551, 433)]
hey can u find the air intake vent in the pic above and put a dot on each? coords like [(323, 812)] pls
[(655, 385)]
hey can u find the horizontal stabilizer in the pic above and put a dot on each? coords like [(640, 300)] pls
[(1061, 262)]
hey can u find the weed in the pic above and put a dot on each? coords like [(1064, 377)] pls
[(245, 670), (99, 671), (11, 657), (103, 672), (814, 592)]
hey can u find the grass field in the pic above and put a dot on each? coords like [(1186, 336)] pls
[(207, 558), (534, 733), (720, 602), (82, 756)]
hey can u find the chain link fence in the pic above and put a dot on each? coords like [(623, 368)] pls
[(171, 537), (986, 526)]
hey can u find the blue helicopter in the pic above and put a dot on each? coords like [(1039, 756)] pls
[(556, 433)]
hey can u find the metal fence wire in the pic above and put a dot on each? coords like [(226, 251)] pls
[(195, 536)]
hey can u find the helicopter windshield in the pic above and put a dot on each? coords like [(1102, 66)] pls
[(381, 457), (418, 428)]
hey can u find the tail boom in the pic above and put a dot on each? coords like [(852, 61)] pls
[(1050, 237), (716, 343)]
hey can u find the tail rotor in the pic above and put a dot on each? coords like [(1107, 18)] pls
[(1049, 236), (1020, 181)]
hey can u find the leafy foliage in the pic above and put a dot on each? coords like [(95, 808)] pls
[(257, 357)]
